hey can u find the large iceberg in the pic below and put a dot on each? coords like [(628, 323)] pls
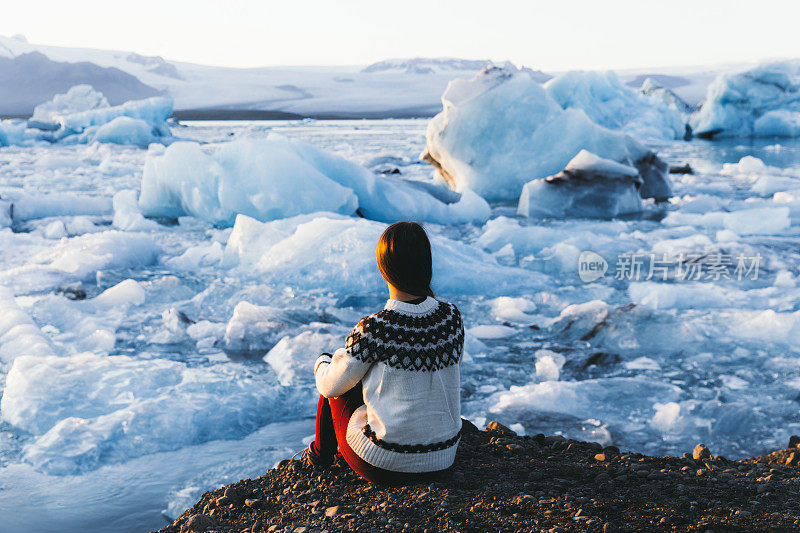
[(610, 104), (278, 178), (588, 187), (336, 254), (762, 102), (83, 115), (501, 129)]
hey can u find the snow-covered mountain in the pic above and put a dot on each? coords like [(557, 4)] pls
[(394, 87)]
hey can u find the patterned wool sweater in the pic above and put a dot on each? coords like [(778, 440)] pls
[(408, 359)]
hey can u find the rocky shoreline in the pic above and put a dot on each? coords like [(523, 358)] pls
[(504, 482)]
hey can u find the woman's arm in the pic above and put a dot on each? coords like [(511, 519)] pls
[(338, 373)]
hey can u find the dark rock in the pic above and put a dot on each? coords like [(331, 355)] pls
[(681, 169), (496, 427), (72, 292), (468, 427), (198, 523), (700, 452), (794, 442)]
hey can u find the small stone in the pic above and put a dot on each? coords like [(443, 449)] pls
[(793, 459), (608, 528), (496, 427), (199, 523), (222, 501), (231, 493), (600, 457), (257, 525), (300, 529), (687, 455), (701, 452), (252, 503), (611, 451), (332, 511), (740, 512)]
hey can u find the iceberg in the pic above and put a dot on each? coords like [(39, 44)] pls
[(279, 178), (655, 91), (762, 102), (589, 186), (82, 115), (336, 254), (501, 129), (607, 102), (76, 100)]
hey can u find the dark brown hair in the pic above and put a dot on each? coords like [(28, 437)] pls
[(404, 258)]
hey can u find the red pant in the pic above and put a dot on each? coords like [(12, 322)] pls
[(333, 415)]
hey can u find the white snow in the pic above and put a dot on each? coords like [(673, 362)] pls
[(501, 129), (610, 104)]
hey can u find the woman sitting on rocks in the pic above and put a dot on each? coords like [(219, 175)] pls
[(390, 399)]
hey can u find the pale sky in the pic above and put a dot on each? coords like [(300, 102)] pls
[(552, 35)]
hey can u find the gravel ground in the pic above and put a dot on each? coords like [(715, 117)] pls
[(504, 482)]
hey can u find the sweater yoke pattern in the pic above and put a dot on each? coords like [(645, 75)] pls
[(421, 343)]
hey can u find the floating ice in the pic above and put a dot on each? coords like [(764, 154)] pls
[(668, 418), (548, 364), (32, 206), (128, 292), (501, 129), (83, 115), (76, 100), (293, 357), (19, 335), (336, 254), (755, 221), (127, 215), (762, 102), (653, 90), (491, 331), (513, 309), (610, 104), (611, 400), (79, 258), (589, 186), (129, 407), (759, 221), (278, 178)]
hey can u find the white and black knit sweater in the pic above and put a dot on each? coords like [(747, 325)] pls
[(408, 358)]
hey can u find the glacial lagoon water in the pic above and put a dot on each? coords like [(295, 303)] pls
[(195, 374)]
